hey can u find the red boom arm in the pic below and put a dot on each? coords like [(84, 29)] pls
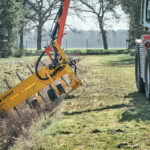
[(62, 20), (60, 25)]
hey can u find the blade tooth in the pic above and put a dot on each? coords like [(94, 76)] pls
[(30, 69), (17, 111), (6, 81), (20, 78)]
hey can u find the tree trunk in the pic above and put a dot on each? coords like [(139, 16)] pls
[(39, 38), (21, 46), (3, 43), (132, 37), (103, 35)]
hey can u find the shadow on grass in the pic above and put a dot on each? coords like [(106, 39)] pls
[(122, 63), (140, 110), (95, 110), (69, 97)]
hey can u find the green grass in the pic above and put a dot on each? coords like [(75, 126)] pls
[(9, 67), (106, 113)]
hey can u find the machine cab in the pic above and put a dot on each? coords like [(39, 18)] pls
[(145, 13)]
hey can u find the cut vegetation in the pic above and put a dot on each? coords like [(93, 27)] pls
[(105, 113)]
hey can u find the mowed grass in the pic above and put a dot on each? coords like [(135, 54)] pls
[(106, 113)]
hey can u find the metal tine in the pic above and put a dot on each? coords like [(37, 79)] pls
[(5, 80), (38, 92), (18, 113), (21, 79), (41, 96), (65, 82), (30, 69)]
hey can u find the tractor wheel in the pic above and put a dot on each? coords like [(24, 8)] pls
[(139, 81), (147, 75), (60, 89), (52, 94)]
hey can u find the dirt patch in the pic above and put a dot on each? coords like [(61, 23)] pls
[(14, 125), (96, 131), (70, 97), (65, 132), (122, 145)]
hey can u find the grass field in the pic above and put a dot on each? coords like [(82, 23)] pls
[(106, 113)]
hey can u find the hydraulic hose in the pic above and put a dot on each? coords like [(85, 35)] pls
[(36, 68), (55, 63)]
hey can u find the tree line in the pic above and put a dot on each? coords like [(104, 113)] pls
[(19, 15), (133, 8), (16, 15)]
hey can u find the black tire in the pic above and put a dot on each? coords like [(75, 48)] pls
[(139, 81), (147, 75), (52, 94), (60, 89)]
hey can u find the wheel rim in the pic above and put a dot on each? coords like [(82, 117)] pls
[(147, 80), (138, 74)]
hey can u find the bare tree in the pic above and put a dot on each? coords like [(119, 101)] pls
[(23, 23), (40, 13), (103, 10)]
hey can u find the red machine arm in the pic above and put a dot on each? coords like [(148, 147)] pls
[(57, 34), (62, 20)]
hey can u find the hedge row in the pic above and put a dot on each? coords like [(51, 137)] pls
[(98, 51), (18, 53)]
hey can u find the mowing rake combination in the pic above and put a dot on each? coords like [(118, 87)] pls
[(59, 75)]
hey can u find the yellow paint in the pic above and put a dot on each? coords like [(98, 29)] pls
[(39, 98), (33, 85)]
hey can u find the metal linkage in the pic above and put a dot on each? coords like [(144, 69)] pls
[(39, 94), (5, 80), (27, 101)]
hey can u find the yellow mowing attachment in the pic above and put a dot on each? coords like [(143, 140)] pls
[(32, 85)]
